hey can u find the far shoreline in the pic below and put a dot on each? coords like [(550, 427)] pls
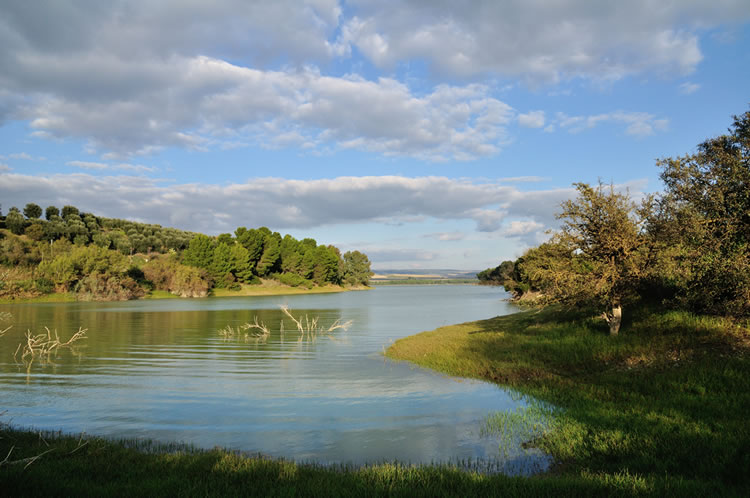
[(264, 289)]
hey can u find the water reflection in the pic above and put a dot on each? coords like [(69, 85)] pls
[(161, 369)]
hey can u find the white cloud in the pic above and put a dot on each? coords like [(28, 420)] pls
[(533, 119), (517, 228), (21, 155), (637, 123), (98, 166), (202, 102), (88, 165), (446, 236), (283, 204), (5, 167), (135, 78), (688, 87), (538, 41)]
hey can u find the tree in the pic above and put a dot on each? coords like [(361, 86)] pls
[(200, 252), (702, 223), (69, 210), (32, 211), (356, 268), (15, 221), (35, 231), (498, 275), (225, 238), (271, 254), (599, 256), (51, 212), (326, 265), (252, 240)]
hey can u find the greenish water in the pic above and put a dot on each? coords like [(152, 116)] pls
[(159, 369)]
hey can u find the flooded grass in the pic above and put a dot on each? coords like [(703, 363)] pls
[(667, 399), (87, 466)]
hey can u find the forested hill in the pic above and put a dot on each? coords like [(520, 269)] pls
[(113, 259)]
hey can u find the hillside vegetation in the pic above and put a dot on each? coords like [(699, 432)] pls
[(94, 258)]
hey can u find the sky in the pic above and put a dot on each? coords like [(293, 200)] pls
[(427, 134)]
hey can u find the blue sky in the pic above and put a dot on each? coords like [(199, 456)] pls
[(427, 134)]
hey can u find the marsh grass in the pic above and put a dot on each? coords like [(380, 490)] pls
[(75, 465), (667, 398)]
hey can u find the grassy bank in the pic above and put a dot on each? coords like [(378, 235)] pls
[(60, 297), (273, 288), (268, 288), (664, 404), (75, 466)]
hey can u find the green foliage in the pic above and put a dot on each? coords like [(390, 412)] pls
[(32, 211), (498, 275), (224, 261), (69, 210), (356, 268), (598, 259), (271, 256), (221, 265), (51, 212), (326, 265), (701, 226), (166, 273), (293, 280), (44, 285), (15, 221), (200, 252), (35, 231)]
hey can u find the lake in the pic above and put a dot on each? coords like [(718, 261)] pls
[(160, 369)]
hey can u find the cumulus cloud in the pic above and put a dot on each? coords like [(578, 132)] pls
[(537, 41), (137, 77), (200, 102), (4, 167), (282, 203)]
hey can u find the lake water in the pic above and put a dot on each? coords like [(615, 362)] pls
[(160, 369)]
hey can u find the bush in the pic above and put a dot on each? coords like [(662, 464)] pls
[(44, 285), (293, 280)]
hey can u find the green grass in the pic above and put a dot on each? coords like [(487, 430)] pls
[(160, 294), (58, 297), (272, 288), (667, 399), (97, 467)]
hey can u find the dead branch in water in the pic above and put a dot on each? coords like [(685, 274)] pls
[(45, 344)]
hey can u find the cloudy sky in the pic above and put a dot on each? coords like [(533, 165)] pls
[(429, 134)]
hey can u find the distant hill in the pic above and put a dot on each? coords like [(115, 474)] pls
[(422, 275)]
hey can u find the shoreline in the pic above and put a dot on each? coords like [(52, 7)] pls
[(246, 291), (659, 407)]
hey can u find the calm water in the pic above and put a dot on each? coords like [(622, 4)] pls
[(161, 370)]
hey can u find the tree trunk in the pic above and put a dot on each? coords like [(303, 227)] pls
[(614, 319)]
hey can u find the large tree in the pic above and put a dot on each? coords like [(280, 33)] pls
[(702, 223), (599, 256)]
